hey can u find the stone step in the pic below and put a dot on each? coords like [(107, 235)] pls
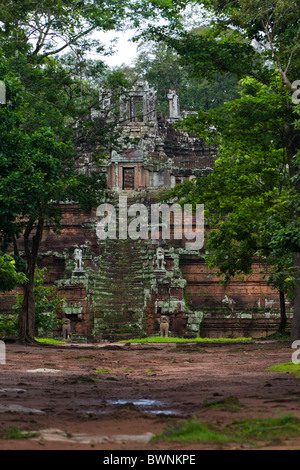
[(109, 282), (117, 288), (118, 313), (101, 300), (121, 294), (125, 293), (121, 282), (117, 309), (115, 284), (128, 266), (119, 270), (122, 300), (124, 261)]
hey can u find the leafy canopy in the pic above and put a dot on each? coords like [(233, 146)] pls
[(248, 196)]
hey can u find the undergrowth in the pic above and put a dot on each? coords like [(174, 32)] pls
[(253, 431), (159, 339), (286, 367)]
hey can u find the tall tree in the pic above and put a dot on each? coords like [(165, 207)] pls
[(38, 170), (48, 115), (161, 66), (253, 38), (248, 196), (45, 28), (9, 276)]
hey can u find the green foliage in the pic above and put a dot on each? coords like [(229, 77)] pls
[(9, 277), (258, 40), (47, 122), (287, 367), (44, 28), (48, 303), (248, 197), (264, 429), (8, 325), (161, 66), (49, 341), (32, 174), (251, 431), (192, 431), (159, 339), (17, 433), (274, 20), (244, 38), (39, 145)]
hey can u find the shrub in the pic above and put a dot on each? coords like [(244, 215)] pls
[(48, 303)]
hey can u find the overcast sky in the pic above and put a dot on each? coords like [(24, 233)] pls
[(126, 50)]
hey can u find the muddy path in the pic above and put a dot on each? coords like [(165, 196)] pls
[(111, 396)]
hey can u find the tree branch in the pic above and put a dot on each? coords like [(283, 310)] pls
[(283, 73), (290, 59), (68, 43)]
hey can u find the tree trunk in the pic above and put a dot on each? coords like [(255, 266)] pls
[(295, 333), (283, 318), (293, 146), (27, 313)]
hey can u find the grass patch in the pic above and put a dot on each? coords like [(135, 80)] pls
[(286, 367), (18, 433), (85, 358), (81, 379), (102, 371), (192, 431), (231, 402), (49, 341), (267, 429), (280, 336), (159, 339), (253, 431)]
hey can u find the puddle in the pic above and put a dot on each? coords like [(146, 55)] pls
[(142, 402), (93, 412), (44, 371), (96, 408), (12, 391), (164, 412), (146, 404)]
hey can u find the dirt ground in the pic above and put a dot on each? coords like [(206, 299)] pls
[(116, 396)]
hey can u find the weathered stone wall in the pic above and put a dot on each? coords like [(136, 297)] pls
[(244, 306), (120, 289)]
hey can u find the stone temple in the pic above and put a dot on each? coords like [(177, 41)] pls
[(122, 286)]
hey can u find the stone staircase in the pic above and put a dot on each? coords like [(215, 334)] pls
[(118, 288)]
